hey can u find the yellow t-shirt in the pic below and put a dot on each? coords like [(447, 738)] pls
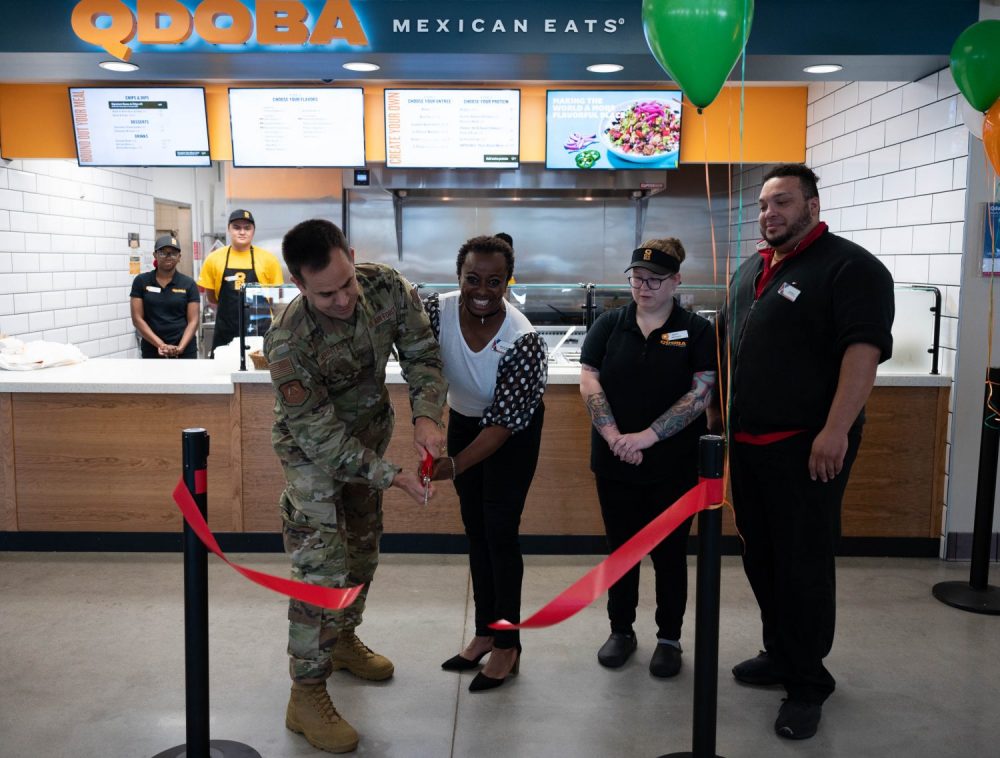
[(267, 266)]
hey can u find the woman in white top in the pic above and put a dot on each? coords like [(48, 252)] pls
[(496, 367)]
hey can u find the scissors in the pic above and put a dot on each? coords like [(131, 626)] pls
[(425, 474)]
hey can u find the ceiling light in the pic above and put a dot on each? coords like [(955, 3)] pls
[(823, 68), (361, 66), (120, 66), (604, 68)]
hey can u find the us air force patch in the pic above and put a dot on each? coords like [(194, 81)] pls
[(293, 392)]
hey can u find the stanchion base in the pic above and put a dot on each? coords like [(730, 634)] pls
[(962, 595), (216, 749), (684, 755)]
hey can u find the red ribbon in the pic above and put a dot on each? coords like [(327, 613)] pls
[(326, 597), (594, 583)]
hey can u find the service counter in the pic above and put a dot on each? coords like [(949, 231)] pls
[(96, 448)]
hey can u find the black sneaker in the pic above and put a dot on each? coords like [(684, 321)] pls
[(666, 661), (617, 650), (761, 670), (797, 719)]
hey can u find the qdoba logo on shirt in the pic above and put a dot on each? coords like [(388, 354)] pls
[(111, 25)]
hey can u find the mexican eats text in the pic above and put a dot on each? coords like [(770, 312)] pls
[(111, 25)]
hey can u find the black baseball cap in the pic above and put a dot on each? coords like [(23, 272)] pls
[(166, 240), (241, 215), (655, 260)]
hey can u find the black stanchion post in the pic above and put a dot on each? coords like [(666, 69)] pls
[(978, 596), (195, 446), (198, 745), (711, 461)]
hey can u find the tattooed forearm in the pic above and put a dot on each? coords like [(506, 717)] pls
[(597, 402), (687, 408), (600, 412)]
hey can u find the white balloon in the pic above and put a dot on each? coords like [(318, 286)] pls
[(972, 118)]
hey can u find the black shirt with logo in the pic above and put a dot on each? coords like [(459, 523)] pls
[(165, 308), (642, 378)]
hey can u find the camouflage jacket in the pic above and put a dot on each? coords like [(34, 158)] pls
[(331, 404)]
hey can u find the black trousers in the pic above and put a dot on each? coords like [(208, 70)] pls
[(791, 527), (492, 495), (627, 508)]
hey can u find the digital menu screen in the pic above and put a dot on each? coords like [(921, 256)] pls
[(452, 128), (297, 128), (612, 129), (140, 126)]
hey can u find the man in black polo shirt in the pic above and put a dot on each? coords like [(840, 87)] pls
[(809, 320), (165, 305), (647, 374)]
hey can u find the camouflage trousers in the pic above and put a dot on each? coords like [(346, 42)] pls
[(331, 531)]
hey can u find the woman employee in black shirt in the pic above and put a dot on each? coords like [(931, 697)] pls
[(165, 305), (647, 374)]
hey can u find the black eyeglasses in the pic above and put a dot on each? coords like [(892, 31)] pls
[(168, 253), (636, 282)]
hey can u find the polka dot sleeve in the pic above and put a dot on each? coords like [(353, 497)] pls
[(521, 378), (433, 307)]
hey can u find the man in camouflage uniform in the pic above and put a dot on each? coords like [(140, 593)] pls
[(327, 355)]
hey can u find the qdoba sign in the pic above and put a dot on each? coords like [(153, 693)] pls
[(111, 24)]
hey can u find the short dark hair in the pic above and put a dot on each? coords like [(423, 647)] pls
[(807, 178), (308, 245), (506, 238), (486, 244)]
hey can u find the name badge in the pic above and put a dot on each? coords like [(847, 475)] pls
[(499, 346), (789, 291), (382, 316), (151, 288), (232, 278), (682, 334), (178, 289)]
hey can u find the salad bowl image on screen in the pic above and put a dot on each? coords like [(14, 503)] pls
[(644, 131), (612, 129)]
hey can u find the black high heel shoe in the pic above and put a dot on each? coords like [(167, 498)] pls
[(458, 663), (481, 682)]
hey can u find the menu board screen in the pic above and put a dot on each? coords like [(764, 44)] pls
[(140, 126), (297, 128), (612, 129), (452, 128)]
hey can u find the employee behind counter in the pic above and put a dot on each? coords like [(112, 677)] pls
[(226, 270), (165, 305)]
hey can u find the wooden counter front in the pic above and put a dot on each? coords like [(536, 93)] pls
[(562, 498), (109, 462), (896, 488)]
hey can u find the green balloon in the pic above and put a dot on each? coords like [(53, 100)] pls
[(975, 64), (697, 42)]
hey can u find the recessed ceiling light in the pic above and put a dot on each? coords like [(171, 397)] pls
[(604, 68), (361, 66), (823, 68), (120, 66)]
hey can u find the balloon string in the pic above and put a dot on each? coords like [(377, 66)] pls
[(739, 239), (991, 220)]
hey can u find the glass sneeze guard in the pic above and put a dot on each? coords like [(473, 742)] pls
[(562, 313)]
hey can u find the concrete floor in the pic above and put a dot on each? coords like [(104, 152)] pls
[(91, 647)]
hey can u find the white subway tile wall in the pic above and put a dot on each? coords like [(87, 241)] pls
[(64, 255), (893, 164)]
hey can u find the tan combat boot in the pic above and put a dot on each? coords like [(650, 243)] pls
[(352, 654), (311, 714)]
